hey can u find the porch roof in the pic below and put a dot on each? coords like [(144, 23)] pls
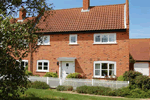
[(66, 58)]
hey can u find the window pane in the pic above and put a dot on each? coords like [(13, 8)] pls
[(45, 64), (97, 66), (104, 65), (97, 72), (39, 67), (97, 38), (111, 72), (111, 38), (104, 38), (22, 63), (73, 39), (111, 66), (46, 39), (104, 72), (45, 68)]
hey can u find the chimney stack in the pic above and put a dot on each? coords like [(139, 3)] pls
[(22, 13), (86, 4), (127, 13)]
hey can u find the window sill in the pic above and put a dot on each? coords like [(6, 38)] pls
[(43, 44), (103, 77), (42, 70), (73, 44), (106, 43)]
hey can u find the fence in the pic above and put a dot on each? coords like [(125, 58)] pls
[(54, 82)]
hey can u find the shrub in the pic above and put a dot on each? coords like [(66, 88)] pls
[(123, 92), (138, 93), (74, 75), (120, 78), (39, 85), (50, 74), (142, 82), (97, 90), (64, 88), (131, 75), (28, 72)]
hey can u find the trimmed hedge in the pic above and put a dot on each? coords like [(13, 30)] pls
[(74, 75), (97, 90), (39, 85), (120, 78), (50, 74), (64, 88)]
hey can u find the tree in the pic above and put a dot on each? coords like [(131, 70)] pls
[(17, 41)]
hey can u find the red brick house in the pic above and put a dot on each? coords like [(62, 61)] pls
[(92, 40), (140, 51)]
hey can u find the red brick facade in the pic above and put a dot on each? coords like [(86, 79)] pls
[(85, 52)]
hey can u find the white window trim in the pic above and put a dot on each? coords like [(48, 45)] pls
[(70, 38), (108, 38), (100, 62), (42, 66), (23, 61), (48, 36)]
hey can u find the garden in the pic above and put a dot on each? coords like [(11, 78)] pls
[(139, 87)]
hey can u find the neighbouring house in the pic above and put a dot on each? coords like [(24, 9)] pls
[(91, 40), (140, 52)]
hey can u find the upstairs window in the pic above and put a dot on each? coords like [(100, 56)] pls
[(43, 66), (104, 38), (73, 39), (44, 40)]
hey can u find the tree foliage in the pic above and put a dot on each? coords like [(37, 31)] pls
[(17, 41)]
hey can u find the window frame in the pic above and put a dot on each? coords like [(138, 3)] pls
[(101, 35), (43, 61), (76, 36), (100, 62), (23, 61), (48, 36)]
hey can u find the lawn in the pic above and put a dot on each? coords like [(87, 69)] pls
[(40, 94)]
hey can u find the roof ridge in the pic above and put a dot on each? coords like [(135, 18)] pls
[(90, 6)]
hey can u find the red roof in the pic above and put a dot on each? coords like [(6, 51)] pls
[(106, 17), (140, 49)]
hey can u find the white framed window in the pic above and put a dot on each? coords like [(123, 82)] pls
[(73, 39), (24, 63), (45, 40), (104, 68), (42, 66), (107, 38)]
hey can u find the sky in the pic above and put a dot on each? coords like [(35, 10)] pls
[(139, 13)]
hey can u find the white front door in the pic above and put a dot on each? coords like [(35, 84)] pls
[(67, 68), (142, 67)]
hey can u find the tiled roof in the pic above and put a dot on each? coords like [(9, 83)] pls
[(140, 49), (106, 17)]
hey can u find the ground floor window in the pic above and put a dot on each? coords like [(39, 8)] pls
[(24, 63), (104, 68), (43, 65)]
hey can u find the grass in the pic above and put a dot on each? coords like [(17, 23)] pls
[(40, 94)]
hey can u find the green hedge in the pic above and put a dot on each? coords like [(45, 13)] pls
[(120, 78), (97, 90), (74, 75), (50, 74), (64, 88), (39, 85)]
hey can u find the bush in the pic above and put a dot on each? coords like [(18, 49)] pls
[(131, 75), (138, 93), (28, 72), (97, 90), (39, 85), (50, 74), (64, 88), (142, 82), (74, 75), (120, 78)]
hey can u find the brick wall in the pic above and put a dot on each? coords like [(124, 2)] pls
[(86, 53)]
